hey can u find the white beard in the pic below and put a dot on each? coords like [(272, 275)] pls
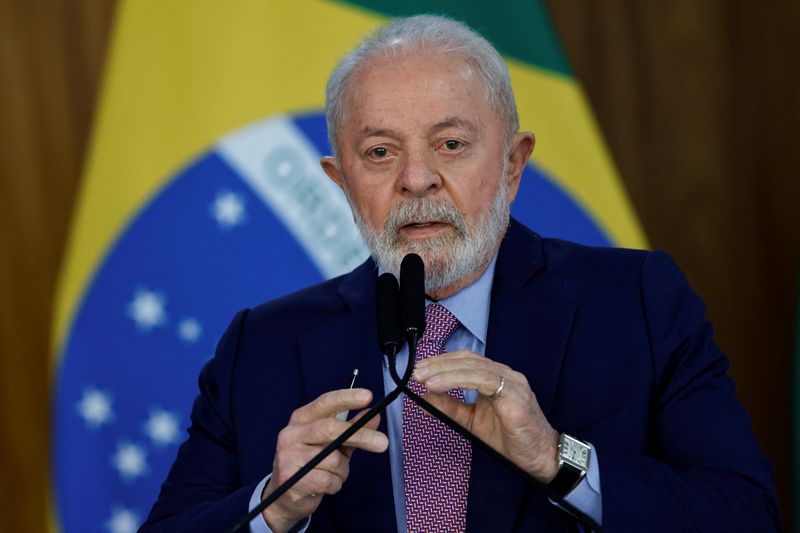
[(449, 258)]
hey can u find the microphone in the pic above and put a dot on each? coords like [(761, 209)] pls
[(412, 298), (387, 314)]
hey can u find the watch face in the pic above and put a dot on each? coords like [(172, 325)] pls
[(575, 452)]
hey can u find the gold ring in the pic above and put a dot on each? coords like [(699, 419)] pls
[(499, 389)]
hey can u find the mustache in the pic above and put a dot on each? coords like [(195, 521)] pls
[(421, 210)]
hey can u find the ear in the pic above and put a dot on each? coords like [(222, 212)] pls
[(331, 167), (521, 149)]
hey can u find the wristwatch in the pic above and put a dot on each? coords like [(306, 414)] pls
[(573, 462)]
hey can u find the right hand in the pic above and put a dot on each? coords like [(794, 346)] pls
[(311, 428)]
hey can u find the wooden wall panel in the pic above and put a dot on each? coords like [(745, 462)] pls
[(698, 102), (51, 56)]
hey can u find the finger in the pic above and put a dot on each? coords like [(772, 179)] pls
[(337, 463), (331, 403), (325, 430), (372, 424), (301, 442), (485, 382), (456, 354), (457, 360), (440, 364), (318, 482), (469, 359)]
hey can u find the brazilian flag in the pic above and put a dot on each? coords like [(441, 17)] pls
[(202, 194)]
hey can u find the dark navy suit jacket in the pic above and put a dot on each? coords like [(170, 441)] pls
[(614, 345)]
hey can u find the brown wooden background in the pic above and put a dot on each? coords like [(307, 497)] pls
[(700, 104)]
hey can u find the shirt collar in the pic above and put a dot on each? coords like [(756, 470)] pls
[(470, 305)]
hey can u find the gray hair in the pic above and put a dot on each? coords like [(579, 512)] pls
[(413, 34)]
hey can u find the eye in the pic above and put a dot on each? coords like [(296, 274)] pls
[(379, 152), (452, 145)]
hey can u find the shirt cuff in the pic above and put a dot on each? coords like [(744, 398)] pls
[(587, 497), (258, 524)]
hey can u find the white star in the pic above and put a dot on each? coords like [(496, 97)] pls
[(189, 330), (122, 521), (147, 309), (330, 231), (162, 427), (130, 460), (228, 210), (95, 408)]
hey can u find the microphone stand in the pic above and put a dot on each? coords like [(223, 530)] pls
[(402, 385)]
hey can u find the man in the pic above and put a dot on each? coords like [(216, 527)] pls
[(603, 352)]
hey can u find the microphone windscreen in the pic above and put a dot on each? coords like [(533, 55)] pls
[(412, 294), (387, 314)]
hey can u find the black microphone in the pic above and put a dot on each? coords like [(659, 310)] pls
[(387, 314), (412, 298)]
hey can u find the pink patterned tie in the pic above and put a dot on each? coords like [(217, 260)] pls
[(436, 459)]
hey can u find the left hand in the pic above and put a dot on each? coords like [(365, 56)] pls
[(511, 422)]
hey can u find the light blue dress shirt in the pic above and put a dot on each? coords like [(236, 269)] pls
[(471, 307)]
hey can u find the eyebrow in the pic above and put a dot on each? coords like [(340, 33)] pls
[(453, 122), (378, 132), (449, 122)]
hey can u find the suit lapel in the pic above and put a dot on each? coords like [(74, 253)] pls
[(528, 331), (329, 354)]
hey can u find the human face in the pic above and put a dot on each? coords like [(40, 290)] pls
[(427, 165)]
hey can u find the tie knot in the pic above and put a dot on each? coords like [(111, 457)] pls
[(440, 324)]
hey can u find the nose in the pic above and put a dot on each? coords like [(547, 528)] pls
[(419, 176)]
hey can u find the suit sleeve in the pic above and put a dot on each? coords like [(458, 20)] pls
[(703, 470), (203, 491)]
